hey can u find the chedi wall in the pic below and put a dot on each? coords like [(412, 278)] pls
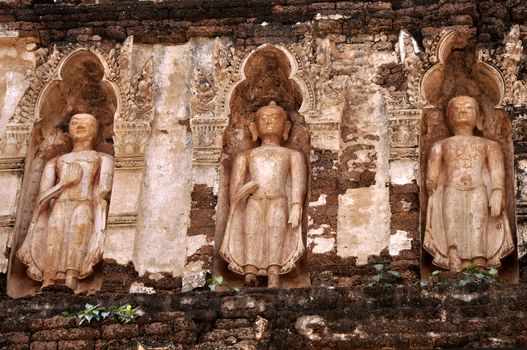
[(277, 144)]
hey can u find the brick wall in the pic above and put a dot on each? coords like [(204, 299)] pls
[(177, 21), (403, 317)]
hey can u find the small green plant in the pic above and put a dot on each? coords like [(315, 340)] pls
[(125, 313), (385, 276), (473, 274), (91, 312), (217, 281), (436, 279), (470, 274)]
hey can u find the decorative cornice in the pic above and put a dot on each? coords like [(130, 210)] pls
[(7, 220), (125, 219), (132, 162), (12, 164)]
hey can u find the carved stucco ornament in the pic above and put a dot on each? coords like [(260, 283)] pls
[(134, 98), (421, 65), (404, 107), (212, 89), (208, 119), (507, 58)]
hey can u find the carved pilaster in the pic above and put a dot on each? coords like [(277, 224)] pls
[(208, 114), (207, 139), (508, 59), (132, 126), (403, 127), (13, 144), (130, 141)]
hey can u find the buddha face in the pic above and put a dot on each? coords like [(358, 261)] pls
[(463, 110), (271, 120), (83, 127)]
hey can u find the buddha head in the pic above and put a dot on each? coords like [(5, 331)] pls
[(83, 128), (270, 120), (463, 111)]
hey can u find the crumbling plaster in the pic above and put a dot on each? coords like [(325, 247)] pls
[(165, 194)]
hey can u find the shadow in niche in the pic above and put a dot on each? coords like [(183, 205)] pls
[(459, 72), (267, 74), (79, 88)]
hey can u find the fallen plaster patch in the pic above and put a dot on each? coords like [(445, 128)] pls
[(398, 242), (320, 201), (310, 326), (140, 288), (336, 16), (322, 245), (465, 297), (192, 280), (194, 243), (245, 302), (316, 231), (363, 223), (406, 206), (403, 172), (156, 276), (260, 327), (6, 33)]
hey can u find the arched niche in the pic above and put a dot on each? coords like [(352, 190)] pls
[(268, 74), (79, 85), (461, 71)]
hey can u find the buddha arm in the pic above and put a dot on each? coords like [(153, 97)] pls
[(238, 174), (106, 176), (49, 176), (497, 177), (434, 166), (298, 178), (496, 166)]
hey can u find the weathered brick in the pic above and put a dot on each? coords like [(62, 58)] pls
[(66, 334), (114, 331), (169, 316), (53, 322), (76, 345), (39, 345), (377, 5), (156, 328), (233, 323), (13, 338)]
